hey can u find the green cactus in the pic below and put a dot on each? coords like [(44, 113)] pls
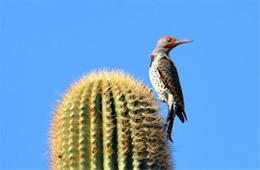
[(107, 120)]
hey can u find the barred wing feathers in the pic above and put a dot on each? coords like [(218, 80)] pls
[(169, 76)]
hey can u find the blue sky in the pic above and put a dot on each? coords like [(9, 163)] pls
[(47, 45)]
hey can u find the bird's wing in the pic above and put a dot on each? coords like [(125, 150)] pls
[(169, 76)]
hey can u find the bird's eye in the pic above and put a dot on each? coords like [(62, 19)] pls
[(169, 40)]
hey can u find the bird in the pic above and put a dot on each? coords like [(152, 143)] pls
[(165, 80)]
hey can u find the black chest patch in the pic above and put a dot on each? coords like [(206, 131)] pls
[(152, 59)]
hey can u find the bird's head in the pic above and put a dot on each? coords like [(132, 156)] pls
[(167, 43)]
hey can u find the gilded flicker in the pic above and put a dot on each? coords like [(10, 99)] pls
[(165, 80)]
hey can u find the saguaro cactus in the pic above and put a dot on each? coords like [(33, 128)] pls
[(108, 121)]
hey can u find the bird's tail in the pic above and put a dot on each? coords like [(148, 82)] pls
[(181, 114)]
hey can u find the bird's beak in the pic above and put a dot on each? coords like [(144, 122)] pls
[(178, 42)]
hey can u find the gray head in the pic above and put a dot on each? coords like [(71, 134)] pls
[(166, 44)]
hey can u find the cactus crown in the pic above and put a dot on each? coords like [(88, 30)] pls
[(108, 120)]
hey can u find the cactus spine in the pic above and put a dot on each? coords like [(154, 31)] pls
[(108, 121)]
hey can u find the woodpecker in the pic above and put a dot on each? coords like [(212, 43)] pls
[(165, 80)]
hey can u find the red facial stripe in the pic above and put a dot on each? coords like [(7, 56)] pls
[(169, 45)]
